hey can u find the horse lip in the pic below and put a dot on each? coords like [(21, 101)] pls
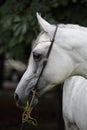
[(20, 104)]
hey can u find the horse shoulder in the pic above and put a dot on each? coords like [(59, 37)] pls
[(74, 102)]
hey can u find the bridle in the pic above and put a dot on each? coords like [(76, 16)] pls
[(46, 58), (26, 115)]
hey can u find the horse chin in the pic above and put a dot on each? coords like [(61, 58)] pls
[(33, 100), (42, 91), (21, 104)]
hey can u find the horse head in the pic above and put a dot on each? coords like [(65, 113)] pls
[(59, 65)]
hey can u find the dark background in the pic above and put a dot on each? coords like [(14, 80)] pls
[(18, 29)]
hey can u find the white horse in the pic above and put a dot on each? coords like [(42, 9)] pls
[(68, 57)]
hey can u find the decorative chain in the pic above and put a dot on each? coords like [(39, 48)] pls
[(26, 116)]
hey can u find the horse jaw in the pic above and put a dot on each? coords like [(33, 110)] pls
[(45, 26)]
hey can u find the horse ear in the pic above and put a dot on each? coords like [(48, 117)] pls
[(44, 25)]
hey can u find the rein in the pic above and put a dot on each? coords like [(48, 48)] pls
[(26, 118)]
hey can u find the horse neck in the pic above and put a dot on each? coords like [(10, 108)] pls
[(74, 41), (79, 56)]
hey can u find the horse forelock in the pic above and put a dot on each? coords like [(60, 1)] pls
[(42, 38)]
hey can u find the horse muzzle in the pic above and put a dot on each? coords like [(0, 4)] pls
[(19, 101), (32, 99)]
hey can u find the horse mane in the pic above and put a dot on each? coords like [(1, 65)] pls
[(73, 26)]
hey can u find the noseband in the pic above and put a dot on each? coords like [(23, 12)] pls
[(26, 115)]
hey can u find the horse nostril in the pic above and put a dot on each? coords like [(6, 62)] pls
[(16, 97)]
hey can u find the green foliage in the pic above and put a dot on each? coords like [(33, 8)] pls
[(18, 24)]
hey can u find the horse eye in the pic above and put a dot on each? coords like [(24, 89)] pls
[(37, 56)]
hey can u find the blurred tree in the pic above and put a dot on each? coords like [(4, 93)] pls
[(2, 56), (18, 25)]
